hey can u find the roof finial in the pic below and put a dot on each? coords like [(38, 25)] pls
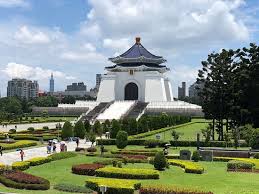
[(138, 40)]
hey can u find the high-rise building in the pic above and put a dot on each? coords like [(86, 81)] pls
[(193, 91), (80, 86), (182, 91), (51, 84), (98, 80), (23, 88)]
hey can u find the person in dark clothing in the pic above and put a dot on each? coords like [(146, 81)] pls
[(54, 147), (77, 142), (102, 150), (1, 150), (22, 154)]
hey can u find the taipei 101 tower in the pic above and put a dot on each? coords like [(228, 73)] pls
[(51, 84)]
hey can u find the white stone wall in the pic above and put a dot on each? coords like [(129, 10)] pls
[(152, 86)]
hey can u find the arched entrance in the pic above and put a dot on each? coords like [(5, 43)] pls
[(131, 91)]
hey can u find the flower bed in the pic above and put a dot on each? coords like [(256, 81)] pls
[(38, 161), (20, 165), (21, 180), (190, 167), (18, 144), (86, 169), (137, 157), (169, 190), (72, 188), (114, 185), (127, 173)]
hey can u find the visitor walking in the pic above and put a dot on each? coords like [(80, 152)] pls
[(77, 142), (54, 147), (21, 154), (102, 150), (1, 150)]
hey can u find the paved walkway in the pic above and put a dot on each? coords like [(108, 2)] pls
[(9, 158), (21, 127)]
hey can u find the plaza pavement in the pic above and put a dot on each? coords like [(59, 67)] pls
[(9, 158), (21, 127)]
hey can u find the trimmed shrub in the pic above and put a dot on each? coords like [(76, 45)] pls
[(114, 186), (151, 143), (250, 160), (67, 130), (190, 167), (62, 155), (169, 190), (91, 149), (195, 156), (31, 129), (127, 173), (256, 156), (12, 131), (72, 188), (38, 161), (235, 164), (86, 169), (79, 130), (21, 180), (160, 161), (122, 139), (78, 149), (129, 152), (20, 165)]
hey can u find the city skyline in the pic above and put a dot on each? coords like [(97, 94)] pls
[(40, 37)]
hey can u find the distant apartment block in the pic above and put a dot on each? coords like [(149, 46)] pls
[(23, 88), (98, 81), (182, 91)]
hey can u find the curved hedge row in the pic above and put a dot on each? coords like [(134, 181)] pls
[(21, 180), (18, 144), (127, 173), (21, 165), (128, 152), (190, 167), (38, 161), (114, 186), (86, 169), (169, 190)]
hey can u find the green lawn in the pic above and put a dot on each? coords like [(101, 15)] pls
[(188, 132), (215, 179)]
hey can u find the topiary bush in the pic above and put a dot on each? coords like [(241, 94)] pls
[(160, 161), (67, 130), (79, 130), (195, 156), (92, 149), (31, 129), (122, 139), (256, 156)]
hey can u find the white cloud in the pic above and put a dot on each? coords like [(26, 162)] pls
[(27, 36), (168, 24), (89, 47), (83, 56), (13, 3), (117, 44), (15, 70)]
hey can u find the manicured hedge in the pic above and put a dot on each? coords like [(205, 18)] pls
[(127, 173), (20, 180), (235, 164), (250, 160), (86, 169), (18, 144), (154, 132), (142, 142), (128, 152), (38, 161), (190, 167), (62, 155), (72, 188), (21, 165), (169, 190), (204, 144), (114, 186)]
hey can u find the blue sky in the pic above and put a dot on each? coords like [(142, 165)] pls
[(73, 39)]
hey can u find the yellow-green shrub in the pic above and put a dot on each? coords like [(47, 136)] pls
[(190, 167), (117, 186), (20, 165), (18, 144), (250, 160), (38, 161), (127, 173)]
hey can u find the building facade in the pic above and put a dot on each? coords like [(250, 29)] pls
[(98, 81), (182, 91), (23, 88), (51, 84), (136, 75)]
